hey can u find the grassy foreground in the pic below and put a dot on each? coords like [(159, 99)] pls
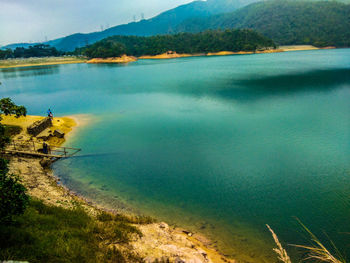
[(55, 234), (27, 62)]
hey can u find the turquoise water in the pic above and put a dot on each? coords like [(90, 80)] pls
[(220, 145)]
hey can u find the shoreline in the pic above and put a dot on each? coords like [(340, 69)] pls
[(45, 61), (42, 64), (159, 240), (127, 59)]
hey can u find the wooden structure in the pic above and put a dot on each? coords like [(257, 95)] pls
[(35, 149)]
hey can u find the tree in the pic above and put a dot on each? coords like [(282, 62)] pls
[(13, 198), (8, 107)]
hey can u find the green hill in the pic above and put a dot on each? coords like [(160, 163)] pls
[(209, 41), (321, 23)]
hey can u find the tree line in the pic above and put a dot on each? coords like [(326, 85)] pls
[(40, 50), (203, 42)]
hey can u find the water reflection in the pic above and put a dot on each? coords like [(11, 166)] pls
[(255, 88), (8, 73)]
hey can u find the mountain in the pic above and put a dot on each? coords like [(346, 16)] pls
[(13, 46), (164, 23), (287, 22)]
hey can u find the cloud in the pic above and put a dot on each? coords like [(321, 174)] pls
[(33, 20)]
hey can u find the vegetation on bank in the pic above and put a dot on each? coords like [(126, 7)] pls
[(190, 43), (13, 198), (287, 22), (55, 234)]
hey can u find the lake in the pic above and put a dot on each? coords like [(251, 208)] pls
[(219, 145)]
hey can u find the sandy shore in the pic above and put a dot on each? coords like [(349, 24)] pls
[(170, 55), (303, 47), (159, 241), (227, 53), (122, 59)]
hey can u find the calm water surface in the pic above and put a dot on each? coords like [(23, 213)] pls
[(223, 145)]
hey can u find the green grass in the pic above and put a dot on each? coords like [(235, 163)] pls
[(12, 130), (54, 234)]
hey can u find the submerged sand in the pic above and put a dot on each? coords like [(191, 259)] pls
[(160, 241)]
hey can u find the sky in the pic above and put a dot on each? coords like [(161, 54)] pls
[(38, 20)]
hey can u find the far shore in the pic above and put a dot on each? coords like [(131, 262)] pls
[(15, 63), (159, 240), (47, 61)]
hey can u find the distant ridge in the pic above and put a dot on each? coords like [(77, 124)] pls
[(287, 22), (164, 23)]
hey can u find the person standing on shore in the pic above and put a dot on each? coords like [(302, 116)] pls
[(49, 113)]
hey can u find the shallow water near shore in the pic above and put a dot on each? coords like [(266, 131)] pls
[(220, 145)]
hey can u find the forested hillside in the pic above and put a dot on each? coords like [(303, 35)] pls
[(209, 41), (321, 23)]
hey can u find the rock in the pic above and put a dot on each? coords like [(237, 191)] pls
[(179, 260), (163, 225), (45, 162), (44, 135), (58, 134), (38, 126), (203, 253)]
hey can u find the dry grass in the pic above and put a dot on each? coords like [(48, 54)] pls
[(318, 252), (280, 251)]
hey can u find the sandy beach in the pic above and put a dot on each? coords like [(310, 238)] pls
[(159, 241), (122, 59)]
